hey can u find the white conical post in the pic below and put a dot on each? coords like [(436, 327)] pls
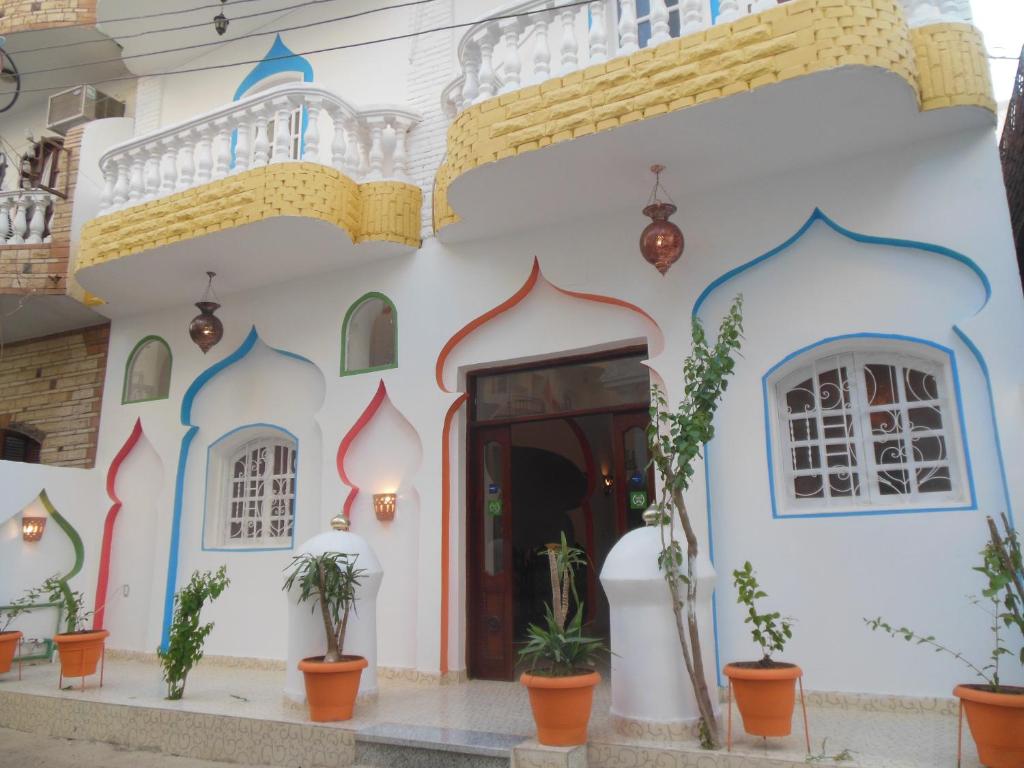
[(186, 164), (627, 27), (243, 144), (541, 52), (471, 75), (121, 185), (168, 167), (659, 23), (311, 138), (691, 17), (569, 48), (598, 33), (221, 148), (19, 224), (5, 217), (511, 65), (204, 156), (488, 82)]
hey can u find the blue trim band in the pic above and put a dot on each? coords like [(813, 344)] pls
[(186, 444)]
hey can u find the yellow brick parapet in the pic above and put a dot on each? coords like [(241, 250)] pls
[(943, 64), (26, 15), (375, 211)]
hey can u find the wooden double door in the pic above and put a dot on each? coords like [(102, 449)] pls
[(495, 622)]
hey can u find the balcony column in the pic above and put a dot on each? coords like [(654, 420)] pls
[(136, 182), (471, 76), (691, 17), (599, 32), (311, 138), (282, 130), (353, 151), (121, 185), (762, 5), (376, 155), (400, 158), (260, 142), (37, 222), (186, 162), (221, 148), (541, 51), (628, 34), (168, 166), (109, 179), (204, 154), (338, 144), (512, 66), (49, 209), (151, 172), (488, 80), (243, 144), (659, 22), (19, 224), (569, 49), (5, 217)]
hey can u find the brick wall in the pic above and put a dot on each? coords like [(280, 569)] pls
[(23, 15), (53, 387)]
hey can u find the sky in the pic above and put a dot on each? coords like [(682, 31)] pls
[(1002, 24)]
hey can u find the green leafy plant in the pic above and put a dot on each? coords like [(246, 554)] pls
[(56, 590), (676, 438), (1002, 566), (769, 630), (330, 580), (187, 636), (9, 613), (560, 648)]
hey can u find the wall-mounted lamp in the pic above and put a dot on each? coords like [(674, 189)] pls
[(384, 505), (609, 484), (220, 21), (32, 528)]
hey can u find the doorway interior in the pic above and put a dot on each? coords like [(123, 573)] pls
[(558, 447)]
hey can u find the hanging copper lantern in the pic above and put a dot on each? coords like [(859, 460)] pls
[(206, 329), (661, 242)]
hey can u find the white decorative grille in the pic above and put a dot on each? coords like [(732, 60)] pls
[(868, 429), (261, 492)]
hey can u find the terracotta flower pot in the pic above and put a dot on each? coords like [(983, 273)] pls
[(80, 652), (331, 687), (765, 697), (8, 645), (561, 707), (996, 721)]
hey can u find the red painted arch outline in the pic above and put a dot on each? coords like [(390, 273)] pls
[(446, 464), (349, 438), (108, 526)]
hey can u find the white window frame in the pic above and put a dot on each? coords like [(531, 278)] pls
[(220, 485), (856, 354), (294, 119)]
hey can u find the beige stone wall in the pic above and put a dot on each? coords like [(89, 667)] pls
[(54, 386), (24, 15)]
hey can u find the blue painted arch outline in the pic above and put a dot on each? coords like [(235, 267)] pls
[(187, 402), (956, 400)]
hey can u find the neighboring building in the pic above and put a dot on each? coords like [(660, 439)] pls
[(1011, 150), (427, 265)]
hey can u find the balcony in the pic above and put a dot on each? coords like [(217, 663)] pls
[(235, 190), (574, 104)]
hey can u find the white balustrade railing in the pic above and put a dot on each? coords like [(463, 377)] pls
[(291, 122), (528, 42), (25, 216)]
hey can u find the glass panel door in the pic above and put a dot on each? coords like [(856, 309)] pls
[(635, 491)]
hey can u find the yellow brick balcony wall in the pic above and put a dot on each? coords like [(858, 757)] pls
[(25, 15), (944, 65), (375, 211)]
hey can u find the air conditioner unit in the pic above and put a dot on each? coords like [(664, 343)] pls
[(78, 105)]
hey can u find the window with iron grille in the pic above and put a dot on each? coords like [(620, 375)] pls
[(868, 429), (251, 487)]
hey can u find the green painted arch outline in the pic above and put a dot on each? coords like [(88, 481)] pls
[(143, 342), (344, 333), (76, 542)]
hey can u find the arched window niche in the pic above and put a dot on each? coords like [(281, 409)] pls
[(251, 476), (147, 374), (369, 335), (867, 425)]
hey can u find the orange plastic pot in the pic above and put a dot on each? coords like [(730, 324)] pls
[(765, 697), (996, 721), (331, 687), (8, 645), (80, 652), (561, 707)]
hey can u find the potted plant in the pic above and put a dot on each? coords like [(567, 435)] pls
[(80, 649), (332, 680), (9, 638), (765, 689), (185, 647), (561, 678), (995, 712)]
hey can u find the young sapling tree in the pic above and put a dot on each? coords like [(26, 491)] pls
[(769, 630), (185, 647), (330, 580)]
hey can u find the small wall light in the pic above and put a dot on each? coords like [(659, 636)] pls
[(206, 328), (609, 484), (384, 506), (32, 528)]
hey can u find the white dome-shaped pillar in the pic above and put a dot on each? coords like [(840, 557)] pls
[(306, 627), (650, 686)]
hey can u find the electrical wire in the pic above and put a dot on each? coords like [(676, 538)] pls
[(313, 52)]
